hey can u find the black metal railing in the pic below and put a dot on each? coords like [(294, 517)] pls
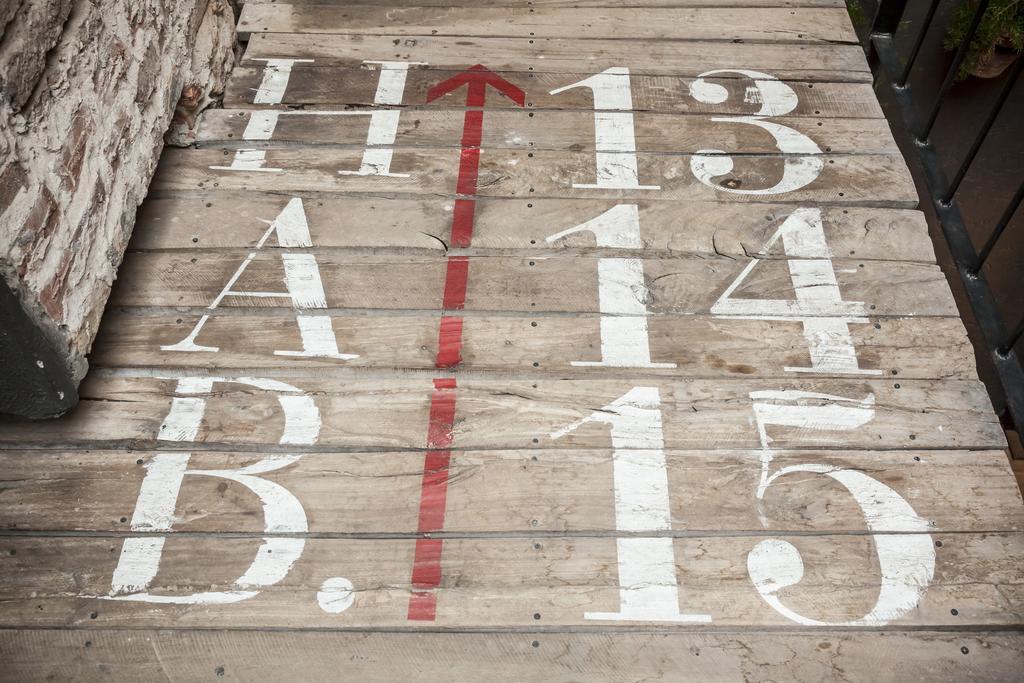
[(893, 72)]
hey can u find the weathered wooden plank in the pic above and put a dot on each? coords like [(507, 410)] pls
[(699, 346), (566, 55), (57, 581), (548, 130), (684, 285), (541, 655), (377, 413), (569, 3), (422, 225), (867, 180), (801, 25), (512, 492), (313, 84)]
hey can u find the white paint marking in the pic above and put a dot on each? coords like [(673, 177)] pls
[(818, 305), (383, 122), (261, 126), (183, 420), (276, 74), (302, 282), (648, 585), (906, 554), (391, 82), (615, 140), (336, 595), (776, 99), (140, 558), (248, 160), (622, 291)]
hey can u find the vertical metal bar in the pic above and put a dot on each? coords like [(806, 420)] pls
[(1014, 337), (912, 57), (1004, 220), (983, 133), (1005, 361), (961, 53), (888, 16)]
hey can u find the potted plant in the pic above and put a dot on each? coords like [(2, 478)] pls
[(998, 41)]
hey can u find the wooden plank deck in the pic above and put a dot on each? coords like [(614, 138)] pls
[(647, 372)]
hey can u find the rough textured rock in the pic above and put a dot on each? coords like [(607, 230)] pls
[(215, 52), (87, 90)]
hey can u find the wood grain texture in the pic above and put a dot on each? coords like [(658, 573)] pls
[(685, 285), (865, 180), (498, 583), (580, 4), (527, 655), (568, 55), (497, 493), (549, 130), (700, 346), (801, 25), (319, 85), (421, 225), (525, 527), (361, 413)]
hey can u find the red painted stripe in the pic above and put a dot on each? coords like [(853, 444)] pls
[(434, 492), (442, 413), (426, 570), (426, 573), (422, 606), (469, 157), (472, 127), (476, 87), (449, 342), (469, 169), (455, 281), (462, 222)]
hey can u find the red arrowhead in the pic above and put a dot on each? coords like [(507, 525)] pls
[(477, 77)]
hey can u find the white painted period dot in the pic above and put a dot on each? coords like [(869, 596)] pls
[(774, 564), (336, 595), (713, 165), (708, 93)]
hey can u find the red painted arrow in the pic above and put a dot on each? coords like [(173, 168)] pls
[(476, 78), (426, 572)]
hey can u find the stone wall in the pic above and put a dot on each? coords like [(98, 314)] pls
[(87, 90)]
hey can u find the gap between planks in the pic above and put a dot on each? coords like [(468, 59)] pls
[(504, 582), (513, 412), (747, 24), (312, 87), (832, 62), (542, 493)]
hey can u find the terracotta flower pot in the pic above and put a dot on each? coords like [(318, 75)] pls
[(996, 60)]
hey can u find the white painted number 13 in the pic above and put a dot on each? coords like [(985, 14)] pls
[(615, 140)]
